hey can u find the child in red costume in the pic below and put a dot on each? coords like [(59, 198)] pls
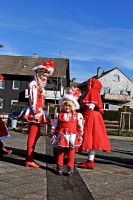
[(67, 130), (95, 135), (35, 112), (3, 131)]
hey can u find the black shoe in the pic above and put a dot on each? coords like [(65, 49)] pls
[(70, 172), (59, 171)]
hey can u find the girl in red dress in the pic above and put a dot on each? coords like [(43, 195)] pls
[(95, 135), (67, 130), (3, 131), (35, 112)]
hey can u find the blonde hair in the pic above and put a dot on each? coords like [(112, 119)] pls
[(73, 106), (43, 73)]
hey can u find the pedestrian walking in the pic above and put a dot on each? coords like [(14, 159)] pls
[(35, 112), (67, 130), (95, 135)]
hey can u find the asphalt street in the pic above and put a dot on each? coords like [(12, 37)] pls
[(111, 179)]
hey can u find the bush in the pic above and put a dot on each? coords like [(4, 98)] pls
[(116, 115), (17, 107), (111, 115)]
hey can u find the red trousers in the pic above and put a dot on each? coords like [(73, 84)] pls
[(70, 157), (33, 136)]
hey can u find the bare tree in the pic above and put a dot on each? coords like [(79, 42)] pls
[(56, 85), (125, 100)]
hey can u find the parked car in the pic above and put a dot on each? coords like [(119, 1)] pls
[(13, 116)]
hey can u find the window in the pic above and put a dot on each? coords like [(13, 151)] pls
[(105, 106), (124, 92), (116, 78), (49, 86), (14, 102), (128, 92), (16, 85), (105, 90), (1, 103), (2, 85)]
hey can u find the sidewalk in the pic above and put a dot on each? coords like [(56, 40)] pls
[(111, 179)]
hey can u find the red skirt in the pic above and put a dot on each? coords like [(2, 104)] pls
[(3, 131), (95, 135)]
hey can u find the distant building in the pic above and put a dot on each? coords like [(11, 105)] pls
[(117, 89), (17, 72)]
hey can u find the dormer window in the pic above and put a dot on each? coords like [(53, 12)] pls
[(116, 78)]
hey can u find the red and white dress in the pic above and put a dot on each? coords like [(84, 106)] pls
[(35, 111), (67, 129), (3, 129), (95, 135)]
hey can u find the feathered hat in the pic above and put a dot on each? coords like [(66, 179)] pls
[(1, 77), (73, 95), (46, 67)]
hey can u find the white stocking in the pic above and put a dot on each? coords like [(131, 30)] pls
[(91, 154)]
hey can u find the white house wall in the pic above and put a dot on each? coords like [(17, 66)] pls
[(116, 86)]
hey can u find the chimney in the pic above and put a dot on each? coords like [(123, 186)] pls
[(34, 55), (99, 71)]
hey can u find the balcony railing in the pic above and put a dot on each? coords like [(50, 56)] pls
[(117, 97), (49, 94)]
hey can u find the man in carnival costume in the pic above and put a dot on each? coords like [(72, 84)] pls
[(95, 135), (35, 112), (67, 130), (3, 131)]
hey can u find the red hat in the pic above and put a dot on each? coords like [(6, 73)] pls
[(73, 95), (1, 77), (46, 67)]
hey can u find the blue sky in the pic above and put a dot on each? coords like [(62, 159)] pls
[(90, 33)]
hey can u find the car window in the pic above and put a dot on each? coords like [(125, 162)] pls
[(51, 116), (16, 112)]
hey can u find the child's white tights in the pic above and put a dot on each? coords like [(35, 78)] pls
[(91, 154)]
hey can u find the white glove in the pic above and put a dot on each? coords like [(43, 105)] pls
[(80, 139), (54, 137), (37, 116), (91, 106)]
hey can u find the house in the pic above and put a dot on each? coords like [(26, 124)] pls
[(17, 72), (117, 89)]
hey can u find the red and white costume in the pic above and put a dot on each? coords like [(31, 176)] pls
[(68, 129), (3, 135), (35, 111), (3, 131), (95, 135)]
